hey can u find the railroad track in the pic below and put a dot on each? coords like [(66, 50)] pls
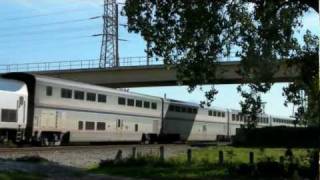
[(81, 148)]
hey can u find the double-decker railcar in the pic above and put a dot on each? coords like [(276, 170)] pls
[(54, 111)]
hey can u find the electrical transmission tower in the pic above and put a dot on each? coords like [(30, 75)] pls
[(109, 54)]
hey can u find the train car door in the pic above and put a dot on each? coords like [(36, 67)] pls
[(48, 120), (58, 122)]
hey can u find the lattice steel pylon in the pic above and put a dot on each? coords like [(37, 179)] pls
[(109, 46)]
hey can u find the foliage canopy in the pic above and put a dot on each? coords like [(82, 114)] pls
[(193, 36)]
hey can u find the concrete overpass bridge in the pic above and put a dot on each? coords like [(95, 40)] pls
[(134, 72)]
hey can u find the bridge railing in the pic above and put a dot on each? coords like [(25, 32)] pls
[(81, 64), (75, 64)]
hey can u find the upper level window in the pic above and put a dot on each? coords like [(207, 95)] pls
[(102, 98), (136, 127), (210, 112), (171, 108), (9, 115), (219, 114), (183, 109), (146, 104), (214, 113), (138, 103), (223, 114), (130, 102), (122, 101), (91, 97), (189, 110), (154, 105), (194, 111), (49, 91), (80, 125), (177, 108), (233, 117), (66, 93), (89, 125), (79, 95), (101, 126)]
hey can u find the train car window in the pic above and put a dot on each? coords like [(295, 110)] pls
[(101, 126), (171, 108), (49, 91), (79, 95), (177, 108), (223, 114), (118, 123), (130, 102), (214, 113), (154, 105), (138, 103), (102, 98), (89, 125), (9, 115), (210, 112), (91, 96), (121, 101), (204, 128), (189, 110), (146, 104), (194, 111), (66, 93), (80, 125), (21, 101), (136, 128), (183, 109)]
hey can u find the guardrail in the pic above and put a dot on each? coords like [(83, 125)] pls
[(75, 64), (79, 64)]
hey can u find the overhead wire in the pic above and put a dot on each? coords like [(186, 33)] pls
[(54, 23), (41, 32), (36, 33), (62, 12)]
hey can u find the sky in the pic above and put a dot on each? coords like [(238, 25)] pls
[(57, 30)]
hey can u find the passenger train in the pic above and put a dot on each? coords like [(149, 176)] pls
[(50, 111)]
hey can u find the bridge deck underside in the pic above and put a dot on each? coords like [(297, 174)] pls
[(158, 75)]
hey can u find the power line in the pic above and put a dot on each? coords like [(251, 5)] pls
[(62, 12), (54, 38), (55, 23), (61, 30), (37, 46)]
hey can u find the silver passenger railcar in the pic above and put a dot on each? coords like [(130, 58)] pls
[(59, 111)]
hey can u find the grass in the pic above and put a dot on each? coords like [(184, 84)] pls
[(20, 176), (204, 164), (241, 155)]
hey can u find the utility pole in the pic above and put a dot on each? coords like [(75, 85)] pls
[(109, 54)]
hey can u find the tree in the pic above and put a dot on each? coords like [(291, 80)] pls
[(306, 87), (193, 36)]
